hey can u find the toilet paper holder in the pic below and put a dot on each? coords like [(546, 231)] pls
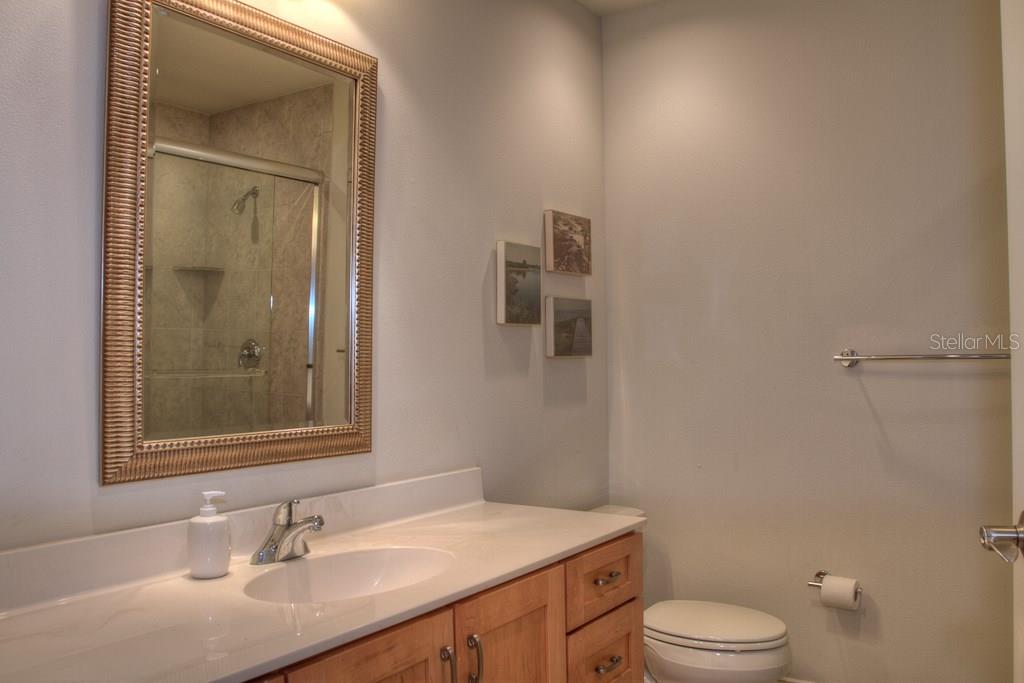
[(820, 576)]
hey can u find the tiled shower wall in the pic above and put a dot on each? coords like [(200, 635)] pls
[(215, 279), (296, 129)]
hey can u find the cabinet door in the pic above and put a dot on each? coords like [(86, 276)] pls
[(407, 653), (518, 630)]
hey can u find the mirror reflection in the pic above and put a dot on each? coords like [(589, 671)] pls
[(246, 312)]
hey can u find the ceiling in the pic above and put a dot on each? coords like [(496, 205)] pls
[(604, 7), (203, 69)]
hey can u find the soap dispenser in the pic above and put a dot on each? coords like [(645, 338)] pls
[(209, 540)]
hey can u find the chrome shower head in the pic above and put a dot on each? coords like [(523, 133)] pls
[(239, 206)]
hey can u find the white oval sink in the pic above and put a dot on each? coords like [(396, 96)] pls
[(353, 574)]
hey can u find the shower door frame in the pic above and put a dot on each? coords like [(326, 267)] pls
[(277, 169)]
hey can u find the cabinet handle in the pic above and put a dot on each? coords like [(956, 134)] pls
[(475, 643), (612, 665), (612, 577), (448, 655)]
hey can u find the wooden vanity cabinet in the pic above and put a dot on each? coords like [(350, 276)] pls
[(518, 631)]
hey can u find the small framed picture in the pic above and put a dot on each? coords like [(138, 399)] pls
[(570, 328), (567, 243), (518, 284)]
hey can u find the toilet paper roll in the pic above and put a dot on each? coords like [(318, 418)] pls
[(840, 592)]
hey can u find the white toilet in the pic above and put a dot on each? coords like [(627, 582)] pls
[(689, 641)]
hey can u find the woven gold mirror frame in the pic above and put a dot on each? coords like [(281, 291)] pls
[(126, 456)]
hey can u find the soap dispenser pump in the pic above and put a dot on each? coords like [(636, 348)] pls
[(209, 540)]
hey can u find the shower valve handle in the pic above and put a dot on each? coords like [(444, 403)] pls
[(250, 353)]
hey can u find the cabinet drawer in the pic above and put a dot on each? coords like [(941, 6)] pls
[(610, 648), (603, 578)]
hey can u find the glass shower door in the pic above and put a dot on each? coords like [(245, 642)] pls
[(228, 317)]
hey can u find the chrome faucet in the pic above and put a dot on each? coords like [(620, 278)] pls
[(287, 539)]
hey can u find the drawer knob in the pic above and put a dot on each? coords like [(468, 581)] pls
[(612, 577), (612, 665)]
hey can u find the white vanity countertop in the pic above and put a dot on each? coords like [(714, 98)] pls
[(175, 628)]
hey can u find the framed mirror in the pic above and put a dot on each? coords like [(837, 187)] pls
[(238, 241)]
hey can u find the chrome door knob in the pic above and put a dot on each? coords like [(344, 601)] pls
[(1004, 541)]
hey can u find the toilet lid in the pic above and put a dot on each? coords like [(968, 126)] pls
[(713, 622)]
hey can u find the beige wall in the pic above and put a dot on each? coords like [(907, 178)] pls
[(785, 179), (1013, 103), (490, 112)]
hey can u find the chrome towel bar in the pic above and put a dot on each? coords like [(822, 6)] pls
[(849, 358)]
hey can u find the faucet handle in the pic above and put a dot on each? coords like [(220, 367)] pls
[(285, 513)]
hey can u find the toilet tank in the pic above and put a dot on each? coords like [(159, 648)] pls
[(620, 510)]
